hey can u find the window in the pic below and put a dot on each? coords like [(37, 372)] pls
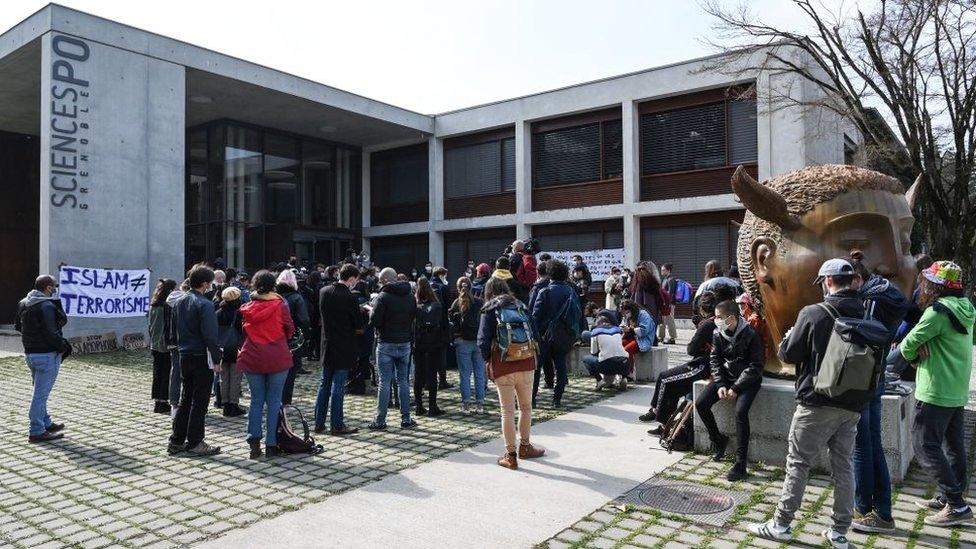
[(743, 133), (281, 176), (481, 168), (591, 152), (399, 176), (691, 138), (480, 249)]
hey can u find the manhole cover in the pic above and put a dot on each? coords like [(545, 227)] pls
[(686, 499)]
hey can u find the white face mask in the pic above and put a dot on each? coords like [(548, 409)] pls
[(720, 324)]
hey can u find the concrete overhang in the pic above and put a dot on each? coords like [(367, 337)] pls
[(20, 89)]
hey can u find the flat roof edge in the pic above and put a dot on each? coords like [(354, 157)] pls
[(27, 30)]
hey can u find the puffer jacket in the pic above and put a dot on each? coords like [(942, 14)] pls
[(737, 360), (267, 324), (393, 313)]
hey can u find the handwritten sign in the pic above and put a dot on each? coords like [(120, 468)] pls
[(97, 343), (598, 261), (134, 341), (104, 293)]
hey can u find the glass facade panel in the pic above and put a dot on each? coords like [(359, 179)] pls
[(242, 174), (318, 165), (281, 177), (197, 187)]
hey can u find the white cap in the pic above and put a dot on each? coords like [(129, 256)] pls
[(834, 267)]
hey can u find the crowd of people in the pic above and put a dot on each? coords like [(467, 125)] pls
[(516, 323)]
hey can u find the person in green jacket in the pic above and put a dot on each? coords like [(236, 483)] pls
[(940, 346)]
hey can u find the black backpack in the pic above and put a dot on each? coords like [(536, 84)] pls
[(429, 325), (291, 443), (678, 432)]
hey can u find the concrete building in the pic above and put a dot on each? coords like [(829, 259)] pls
[(122, 148)]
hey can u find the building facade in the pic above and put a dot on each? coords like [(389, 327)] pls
[(126, 149)]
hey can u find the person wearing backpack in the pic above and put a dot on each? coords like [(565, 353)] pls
[(465, 316), (557, 313), (429, 341), (736, 363), (267, 324), (819, 421), (940, 348), (287, 288), (508, 347), (608, 361), (229, 334), (669, 284)]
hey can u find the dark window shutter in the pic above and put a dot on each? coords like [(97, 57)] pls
[(508, 164), (399, 176), (743, 132), (570, 155), (686, 248), (613, 149), (684, 139)]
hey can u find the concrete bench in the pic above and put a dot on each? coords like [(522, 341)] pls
[(772, 413), (648, 366)]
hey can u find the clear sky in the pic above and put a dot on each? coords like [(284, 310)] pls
[(433, 55)]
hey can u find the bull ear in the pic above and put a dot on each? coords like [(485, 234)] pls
[(763, 249), (911, 195), (763, 202)]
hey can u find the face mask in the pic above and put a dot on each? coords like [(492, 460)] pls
[(826, 292), (428, 269), (720, 324)]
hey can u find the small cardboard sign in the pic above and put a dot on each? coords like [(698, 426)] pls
[(96, 343), (134, 341)]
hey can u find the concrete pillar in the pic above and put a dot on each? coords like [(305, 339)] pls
[(435, 155), (523, 168), (365, 189), (632, 242), (523, 231), (631, 154), (435, 245)]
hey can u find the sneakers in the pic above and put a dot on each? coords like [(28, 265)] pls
[(935, 504), (376, 426), (434, 411), (55, 427), (872, 523), (837, 540), (343, 431), (770, 530), (466, 408), (46, 436), (648, 417), (527, 451), (509, 461), (203, 449), (737, 472), (161, 407), (600, 384), (255, 445), (950, 516), (480, 409), (408, 424), (622, 384), (720, 445), (233, 410), (173, 449), (656, 431)]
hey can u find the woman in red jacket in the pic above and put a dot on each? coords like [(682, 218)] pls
[(265, 359)]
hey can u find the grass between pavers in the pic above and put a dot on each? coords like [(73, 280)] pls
[(110, 482)]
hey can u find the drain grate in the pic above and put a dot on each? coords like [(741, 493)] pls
[(698, 502)]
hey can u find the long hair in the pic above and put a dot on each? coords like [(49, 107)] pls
[(929, 292), (425, 293), (644, 280), (163, 288), (496, 287), (712, 269), (464, 293)]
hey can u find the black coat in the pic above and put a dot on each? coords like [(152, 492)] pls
[(341, 320), (394, 312), (738, 364)]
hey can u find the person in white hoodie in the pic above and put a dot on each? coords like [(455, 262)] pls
[(609, 361)]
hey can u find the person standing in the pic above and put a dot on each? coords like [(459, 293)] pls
[(736, 362), (160, 317), (465, 316), (429, 342), (545, 312), (310, 289), (342, 323), (544, 369), (668, 284), (230, 337), (483, 273), (40, 319), (818, 422), (580, 265), (940, 348), (264, 358), (196, 331), (513, 378), (442, 289), (175, 374), (287, 288), (392, 317), (647, 292)]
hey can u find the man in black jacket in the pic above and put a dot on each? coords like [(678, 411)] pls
[(39, 320), (341, 324), (442, 288), (392, 317), (737, 365), (818, 422)]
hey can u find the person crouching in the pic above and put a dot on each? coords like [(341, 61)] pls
[(609, 361)]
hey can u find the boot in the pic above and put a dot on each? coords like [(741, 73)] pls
[(255, 444), (509, 461), (421, 411), (527, 451), (720, 445), (233, 410), (435, 411), (737, 472)]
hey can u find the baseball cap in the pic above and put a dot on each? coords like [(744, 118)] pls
[(834, 267)]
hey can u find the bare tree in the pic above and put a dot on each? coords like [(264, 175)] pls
[(915, 60)]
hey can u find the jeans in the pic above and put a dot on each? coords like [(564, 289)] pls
[(935, 426), (44, 369), (609, 367), (175, 379), (743, 402), (393, 360), (188, 425), (265, 391), (872, 482), (813, 428), (333, 387), (427, 364), (469, 361), (513, 387), (162, 364), (289, 389)]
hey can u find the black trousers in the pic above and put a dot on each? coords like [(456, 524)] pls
[(427, 363), (935, 427), (544, 370), (703, 407), (674, 383), (188, 425), (442, 366), (289, 389), (162, 364)]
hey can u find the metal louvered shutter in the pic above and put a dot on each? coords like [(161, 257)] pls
[(743, 132), (686, 248), (613, 149), (508, 164), (684, 139), (576, 242), (454, 259), (472, 170), (569, 155)]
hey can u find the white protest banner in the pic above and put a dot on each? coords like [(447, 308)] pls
[(104, 293), (598, 261)]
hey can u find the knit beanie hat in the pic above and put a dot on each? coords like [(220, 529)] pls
[(945, 273)]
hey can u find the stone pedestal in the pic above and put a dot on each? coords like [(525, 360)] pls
[(772, 413), (648, 366)]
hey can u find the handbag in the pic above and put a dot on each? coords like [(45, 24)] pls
[(296, 341)]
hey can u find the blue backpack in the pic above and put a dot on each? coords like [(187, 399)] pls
[(514, 333), (682, 292)]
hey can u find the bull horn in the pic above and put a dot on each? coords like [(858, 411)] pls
[(762, 201), (911, 195)]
